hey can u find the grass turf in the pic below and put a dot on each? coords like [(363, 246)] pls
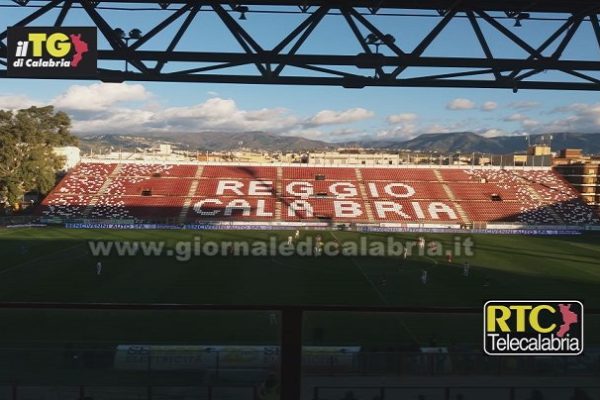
[(55, 264)]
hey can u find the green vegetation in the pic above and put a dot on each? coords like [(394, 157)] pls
[(27, 162)]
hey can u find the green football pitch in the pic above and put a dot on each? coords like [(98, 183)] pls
[(57, 265)]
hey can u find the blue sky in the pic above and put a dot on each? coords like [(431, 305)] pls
[(327, 113)]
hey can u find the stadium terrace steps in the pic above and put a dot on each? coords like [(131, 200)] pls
[(452, 197), (191, 192), (103, 190), (278, 193), (364, 194), (410, 195), (536, 195)]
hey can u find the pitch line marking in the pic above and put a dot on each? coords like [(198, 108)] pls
[(357, 265), (402, 323)]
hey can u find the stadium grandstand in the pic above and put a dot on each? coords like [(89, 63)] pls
[(412, 196)]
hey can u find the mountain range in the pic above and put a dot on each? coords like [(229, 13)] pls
[(468, 142), (465, 142)]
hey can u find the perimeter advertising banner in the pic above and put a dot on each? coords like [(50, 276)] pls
[(182, 357), (48, 52)]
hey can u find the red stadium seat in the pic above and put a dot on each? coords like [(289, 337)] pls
[(398, 174), (327, 173)]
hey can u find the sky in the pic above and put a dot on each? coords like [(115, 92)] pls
[(325, 113)]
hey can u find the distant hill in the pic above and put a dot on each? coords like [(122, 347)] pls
[(444, 143), (465, 142), (211, 141)]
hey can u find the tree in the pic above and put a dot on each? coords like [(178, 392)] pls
[(27, 161)]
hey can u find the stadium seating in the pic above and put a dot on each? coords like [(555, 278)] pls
[(455, 175), (303, 188), (480, 191), (399, 190), (231, 208), (328, 173), (170, 170), (480, 211), (86, 169), (81, 184), (398, 174), (233, 186), (64, 205), (242, 172), (194, 193), (323, 209), (134, 186)]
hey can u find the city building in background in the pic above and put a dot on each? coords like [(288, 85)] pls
[(583, 172)]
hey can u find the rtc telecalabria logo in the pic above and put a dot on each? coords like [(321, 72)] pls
[(533, 327)]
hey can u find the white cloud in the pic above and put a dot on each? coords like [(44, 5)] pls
[(224, 114), (131, 109), (402, 118), (492, 132), (310, 133), (329, 117), (515, 118), (409, 131), (400, 132), (489, 106), (17, 102), (526, 122), (344, 133), (99, 96), (460, 104), (578, 117), (115, 122), (522, 105), (580, 108), (529, 123)]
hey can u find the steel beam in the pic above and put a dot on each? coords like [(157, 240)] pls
[(382, 60)]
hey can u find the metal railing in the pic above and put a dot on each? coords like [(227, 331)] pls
[(291, 351)]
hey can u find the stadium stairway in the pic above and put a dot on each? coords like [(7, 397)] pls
[(103, 190), (364, 195), (278, 193), (461, 212), (191, 193), (539, 198)]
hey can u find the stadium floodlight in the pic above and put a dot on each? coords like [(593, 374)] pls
[(120, 33), (134, 34), (371, 38), (242, 10), (376, 40), (520, 17)]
